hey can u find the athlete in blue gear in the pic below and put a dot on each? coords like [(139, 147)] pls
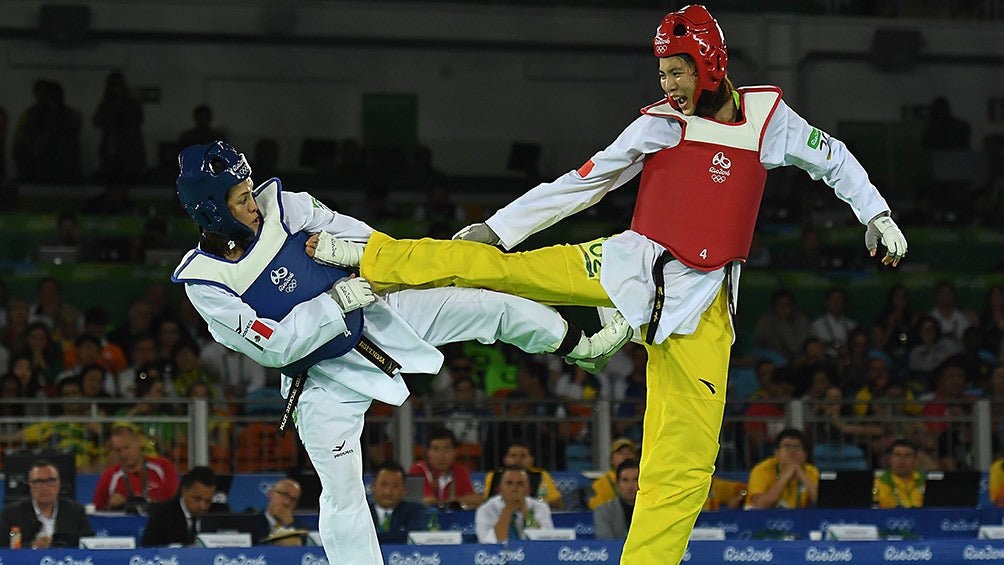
[(262, 295)]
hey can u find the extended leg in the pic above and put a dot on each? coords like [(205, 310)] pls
[(445, 315), (558, 275), (687, 378)]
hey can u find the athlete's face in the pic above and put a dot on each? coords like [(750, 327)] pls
[(242, 206), (679, 81)]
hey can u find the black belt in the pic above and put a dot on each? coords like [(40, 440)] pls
[(660, 294), (659, 277), (369, 350)]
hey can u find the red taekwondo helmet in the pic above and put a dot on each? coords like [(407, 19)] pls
[(693, 31)]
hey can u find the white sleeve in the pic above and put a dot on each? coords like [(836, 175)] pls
[(548, 203), (790, 140), (303, 212), (271, 343), (485, 518), (543, 514)]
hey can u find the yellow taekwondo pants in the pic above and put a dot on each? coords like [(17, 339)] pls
[(687, 374)]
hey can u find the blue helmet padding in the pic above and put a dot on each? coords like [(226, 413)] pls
[(207, 172)]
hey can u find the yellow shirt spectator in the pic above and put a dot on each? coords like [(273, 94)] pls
[(900, 486), (605, 487), (723, 493), (518, 453), (894, 491), (785, 480), (997, 482), (545, 487)]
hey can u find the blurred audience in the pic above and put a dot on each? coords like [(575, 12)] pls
[(202, 130), (508, 514), (541, 483), (605, 488), (786, 479), (46, 519), (783, 328), (900, 485), (393, 516), (119, 116), (447, 483), (137, 479), (612, 520)]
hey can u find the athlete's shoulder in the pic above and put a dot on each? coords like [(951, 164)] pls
[(662, 108), (760, 88)]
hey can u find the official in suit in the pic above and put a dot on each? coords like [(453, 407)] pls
[(612, 519), (46, 519), (177, 521), (277, 517), (393, 516)]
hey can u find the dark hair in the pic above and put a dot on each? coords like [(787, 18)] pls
[(517, 468), (17, 383), (185, 343), (537, 372), (219, 244), (391, 467), (459, 380), (837, 290), (789, 433), (67, 381), (38, 463), (901, 442), (87, 338), (519, 442), (202, 475), (442, 433), (626, 464), (97, 316), (87, 369), (781, 293), (46, 280)]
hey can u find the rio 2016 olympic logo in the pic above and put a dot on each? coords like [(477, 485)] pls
[(720, 165)]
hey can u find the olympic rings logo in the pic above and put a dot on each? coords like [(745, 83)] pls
[(719, 178), (900, 524)]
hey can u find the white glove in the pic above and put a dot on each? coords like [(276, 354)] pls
[(352, 293), (337, 252), (478, 232), (883, 228)]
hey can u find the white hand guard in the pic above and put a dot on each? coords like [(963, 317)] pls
[(337, 252), (883, 228), (352, 294), (478, 232)]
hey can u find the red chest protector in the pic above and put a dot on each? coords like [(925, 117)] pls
[(700, 199)]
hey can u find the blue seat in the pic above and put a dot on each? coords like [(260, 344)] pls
[(836, 457), (578, 457), (263, 409)]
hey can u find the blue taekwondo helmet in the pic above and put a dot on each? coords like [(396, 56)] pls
[(207, 173)]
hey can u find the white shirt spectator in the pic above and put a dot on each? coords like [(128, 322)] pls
[(488, 514)]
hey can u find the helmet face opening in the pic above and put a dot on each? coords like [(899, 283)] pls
[(207, 172), (693, 31)]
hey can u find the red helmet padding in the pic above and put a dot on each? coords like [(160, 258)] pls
[(693, 31)]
